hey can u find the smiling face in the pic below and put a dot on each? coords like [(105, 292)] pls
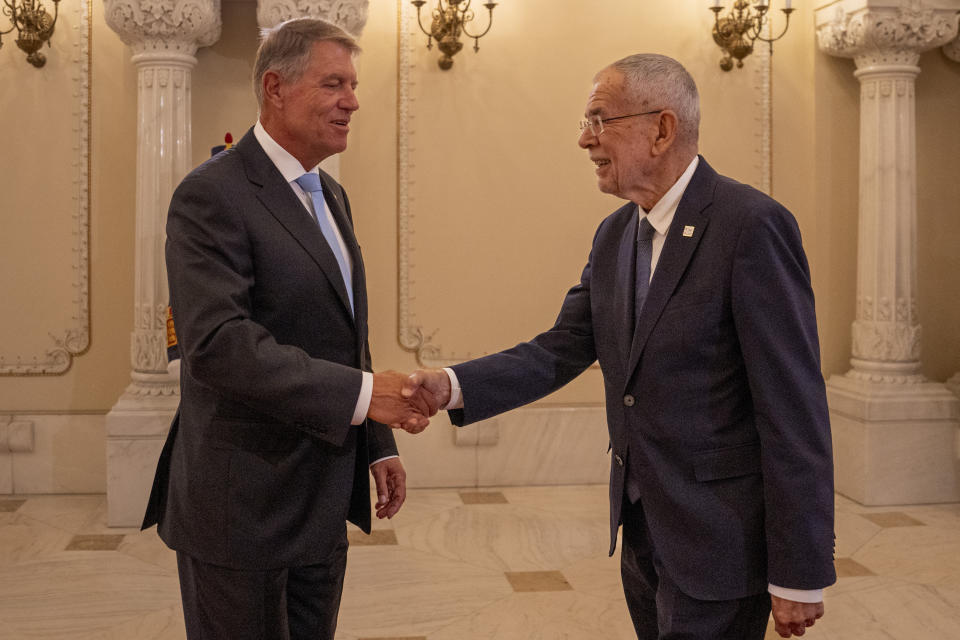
[(622, 152), (310, 116)]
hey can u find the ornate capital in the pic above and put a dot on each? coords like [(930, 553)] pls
[(351, 15), (884, 32), (176, 27), (952, 49)]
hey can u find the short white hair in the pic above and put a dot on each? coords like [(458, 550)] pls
[(660, 82)]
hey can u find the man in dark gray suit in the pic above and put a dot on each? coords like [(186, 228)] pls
[(280, 418), (696, 301)]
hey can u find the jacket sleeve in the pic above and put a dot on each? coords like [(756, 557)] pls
[(773, 310), (531, 370)]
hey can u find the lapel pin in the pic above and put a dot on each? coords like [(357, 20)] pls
[(688, 231)]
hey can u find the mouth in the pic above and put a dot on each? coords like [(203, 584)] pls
[(343, 123), (600, 162)]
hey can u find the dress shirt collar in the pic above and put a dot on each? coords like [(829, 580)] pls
[(289, 167), (661, 215)]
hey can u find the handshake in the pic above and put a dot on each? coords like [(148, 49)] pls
[(408, 402)]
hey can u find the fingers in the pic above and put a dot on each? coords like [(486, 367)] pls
[(428, 401), (413, 383), (395, 484), (793, 618), (380, 479), (434, 381)]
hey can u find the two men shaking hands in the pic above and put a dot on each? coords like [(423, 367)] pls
[(408, 402)]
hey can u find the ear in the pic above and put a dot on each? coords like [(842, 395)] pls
[(272, 89), (666, 132)]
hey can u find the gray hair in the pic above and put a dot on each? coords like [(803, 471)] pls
[(285, 48), (660, 82)]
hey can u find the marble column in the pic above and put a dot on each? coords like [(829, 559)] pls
[(163, 36), (952, 51), (894, 430), (349, 15)]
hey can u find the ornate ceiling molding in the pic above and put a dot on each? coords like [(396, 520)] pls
[(351, 15)]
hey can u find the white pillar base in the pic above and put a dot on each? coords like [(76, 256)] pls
[(136, 429), (894, 443)]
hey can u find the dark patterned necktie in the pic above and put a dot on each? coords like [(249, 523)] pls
[(644, 257)]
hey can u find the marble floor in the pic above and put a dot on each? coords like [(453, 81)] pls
[(519, 563)]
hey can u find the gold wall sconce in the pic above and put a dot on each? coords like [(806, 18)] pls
[(741, 27), (33, 24), (450, 18)]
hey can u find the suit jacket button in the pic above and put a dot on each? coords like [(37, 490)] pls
[(618, 459), (628, 400)]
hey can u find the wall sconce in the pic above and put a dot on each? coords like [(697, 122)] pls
[(33, 24), (450, 19), (739, 29)]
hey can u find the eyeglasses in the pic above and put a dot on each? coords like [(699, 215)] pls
[(595, 122)]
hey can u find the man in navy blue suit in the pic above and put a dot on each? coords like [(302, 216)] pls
[(696, 300)]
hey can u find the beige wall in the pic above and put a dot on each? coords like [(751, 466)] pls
[(505, 203)]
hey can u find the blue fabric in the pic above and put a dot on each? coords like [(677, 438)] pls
[(310, 182)]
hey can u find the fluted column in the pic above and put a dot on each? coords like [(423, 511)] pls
[(893, 429), (164, 36), (349, 15), (952, 51)]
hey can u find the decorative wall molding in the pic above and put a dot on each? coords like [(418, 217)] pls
[(763, 85), (413, 336), (73, 340), (351, 15)]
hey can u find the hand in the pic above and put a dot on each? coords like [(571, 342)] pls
[(434, 381), (389, 407), (391, 481), (791, 617)]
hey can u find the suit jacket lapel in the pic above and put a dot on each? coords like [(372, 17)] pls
[(625, 287), (332, 193), (279, 199), (676, 254)]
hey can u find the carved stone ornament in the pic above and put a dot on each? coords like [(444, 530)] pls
[(886, 34), (350, 15), (952, 49), (165, 26)]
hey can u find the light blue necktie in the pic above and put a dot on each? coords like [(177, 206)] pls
[(310, 182)]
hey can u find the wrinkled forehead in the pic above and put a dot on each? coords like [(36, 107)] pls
[(609, 92)]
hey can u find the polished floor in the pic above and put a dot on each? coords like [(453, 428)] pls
[(507, 564)]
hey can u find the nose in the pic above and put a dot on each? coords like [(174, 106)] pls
[(587, 139), (349, 100)]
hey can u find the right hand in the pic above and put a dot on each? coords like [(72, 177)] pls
[(433, 382), (410, 412)]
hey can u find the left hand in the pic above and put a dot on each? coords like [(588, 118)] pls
[(391, 481), (791, 617)]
